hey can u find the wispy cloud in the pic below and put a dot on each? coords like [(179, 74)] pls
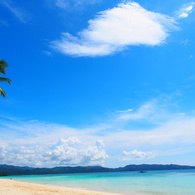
[(123, 111), (115, 29), (154, 112), (20, 14), (144, 111), (74, 4), (62, 3), (185, 10)]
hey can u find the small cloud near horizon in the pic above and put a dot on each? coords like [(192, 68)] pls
[(136, 155)]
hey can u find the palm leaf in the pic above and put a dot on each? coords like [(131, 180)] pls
[(3, 65), (2, 70), (2, 92), (5, 80)]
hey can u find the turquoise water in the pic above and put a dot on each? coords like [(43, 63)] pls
[(177, 182)]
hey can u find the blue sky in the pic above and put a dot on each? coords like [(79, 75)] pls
[(97, 82)]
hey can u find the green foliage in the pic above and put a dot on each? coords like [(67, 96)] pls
[(3, 66), (2, 92)]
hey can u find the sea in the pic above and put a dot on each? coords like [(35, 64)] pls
[(172, 182)]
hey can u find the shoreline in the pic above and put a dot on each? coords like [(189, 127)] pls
[(13, 187)]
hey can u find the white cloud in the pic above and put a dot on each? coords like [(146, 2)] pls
[(136, 155), (183, 15), (69, 151), (2, 151), (175, 134), (115, 29), (34, 142), (123, 111), (20, 14), (185, 10), (143, 112), (154, 112)]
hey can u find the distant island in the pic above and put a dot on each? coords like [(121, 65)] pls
[(8, 170)]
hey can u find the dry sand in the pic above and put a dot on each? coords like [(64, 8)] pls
[(11, 187)]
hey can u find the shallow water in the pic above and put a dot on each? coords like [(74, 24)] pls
[(175, 182)]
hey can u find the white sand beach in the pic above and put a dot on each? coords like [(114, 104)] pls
[(11, 187)]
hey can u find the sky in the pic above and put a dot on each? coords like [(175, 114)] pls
[(98, 82)]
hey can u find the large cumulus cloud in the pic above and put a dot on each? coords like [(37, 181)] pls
[(69, 151)]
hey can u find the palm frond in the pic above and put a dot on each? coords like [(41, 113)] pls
[(3, 66), (3, 63), (2, 70), (5, 80), (2, 92)]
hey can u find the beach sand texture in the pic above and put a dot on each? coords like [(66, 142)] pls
[(11, 187)]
